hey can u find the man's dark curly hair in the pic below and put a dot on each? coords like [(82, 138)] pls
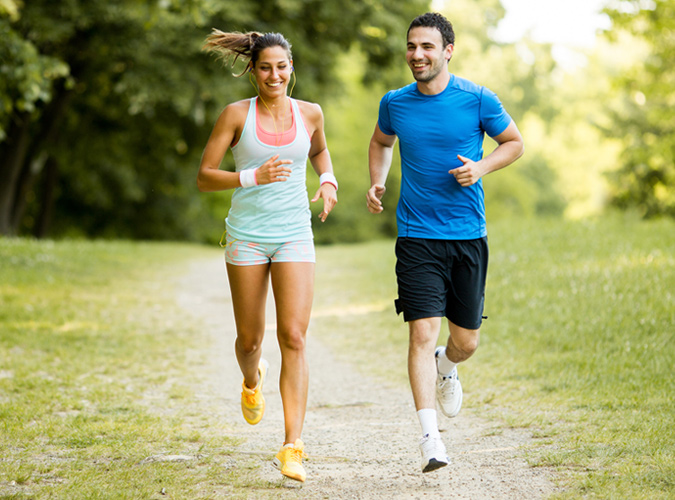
[(435, 20)]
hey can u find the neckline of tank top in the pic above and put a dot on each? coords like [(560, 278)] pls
[(274, 139)]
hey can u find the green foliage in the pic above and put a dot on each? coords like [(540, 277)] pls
[(10, 9), (644, 116), (350, 121), (26, 76), (105, 108), (124, 129), (529, 187), (130, 101), (578, 346), (521, 75)]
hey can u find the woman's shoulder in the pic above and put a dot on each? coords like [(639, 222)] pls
[(238, 107), (235, 112), (310, 110)]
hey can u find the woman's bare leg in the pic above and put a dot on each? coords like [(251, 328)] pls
[(248, 285), (293, 286)]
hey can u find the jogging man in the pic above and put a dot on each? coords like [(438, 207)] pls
[(442, 253)]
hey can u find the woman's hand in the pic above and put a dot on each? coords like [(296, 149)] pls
[(273, 170), (329, 194)]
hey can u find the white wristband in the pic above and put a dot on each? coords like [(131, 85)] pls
[(247, 178), (329, 178)]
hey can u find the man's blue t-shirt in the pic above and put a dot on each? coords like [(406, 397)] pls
[(432, 130)]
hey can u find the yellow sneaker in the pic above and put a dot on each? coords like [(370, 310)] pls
[(289, 461), (252, 400)]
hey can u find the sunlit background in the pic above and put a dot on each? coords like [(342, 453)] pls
[(105, 107), (571, 24), (109, 349)]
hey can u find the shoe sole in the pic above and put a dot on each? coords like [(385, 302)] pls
[(276, 463), (434, 465)]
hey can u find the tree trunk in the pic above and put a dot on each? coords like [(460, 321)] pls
[(28, 160), (12, 159), (44, 220), (23, 186), (47, 140)]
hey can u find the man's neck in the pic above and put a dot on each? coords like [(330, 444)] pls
[(435, 86)]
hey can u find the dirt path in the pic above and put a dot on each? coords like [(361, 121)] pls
[(361, 438)]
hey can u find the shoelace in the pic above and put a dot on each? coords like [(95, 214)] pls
[(249, 396), (446, 385), (430, 445), (296, 455)]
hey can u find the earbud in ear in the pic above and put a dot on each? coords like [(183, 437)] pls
[(292, 68)]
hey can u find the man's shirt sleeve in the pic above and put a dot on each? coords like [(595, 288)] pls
[(384, 120), (493, 117)]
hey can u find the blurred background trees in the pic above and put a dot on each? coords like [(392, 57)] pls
[(105, 108), (643, 116)]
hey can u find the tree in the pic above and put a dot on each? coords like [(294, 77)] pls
[(644, 118), (523, 76), (525, 86), (106, 105), (27, 80)]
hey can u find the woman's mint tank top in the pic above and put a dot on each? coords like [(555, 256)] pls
[(277, 212)]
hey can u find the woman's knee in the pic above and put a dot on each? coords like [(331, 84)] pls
[(293, 338), (248, 346)]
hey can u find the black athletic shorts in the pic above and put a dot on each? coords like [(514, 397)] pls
[(439, 278)]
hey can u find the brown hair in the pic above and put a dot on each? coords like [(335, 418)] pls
[(438, 21), (246, 45)]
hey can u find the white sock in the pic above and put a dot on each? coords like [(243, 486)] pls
[(428, 422), (444, 365)]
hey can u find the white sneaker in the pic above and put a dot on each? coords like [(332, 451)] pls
[(434, 455), (449, 392)]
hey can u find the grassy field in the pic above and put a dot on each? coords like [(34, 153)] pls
[(96, 388), (579, 344)]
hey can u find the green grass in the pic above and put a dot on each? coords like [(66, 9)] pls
[(94, 380), (578, 346)]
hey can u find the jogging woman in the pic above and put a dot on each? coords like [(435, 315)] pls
[(269, 232)]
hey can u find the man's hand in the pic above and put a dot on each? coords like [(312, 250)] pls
[(374, 197), (468, 174)]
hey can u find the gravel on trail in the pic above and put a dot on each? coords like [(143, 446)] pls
[(361, 437)]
